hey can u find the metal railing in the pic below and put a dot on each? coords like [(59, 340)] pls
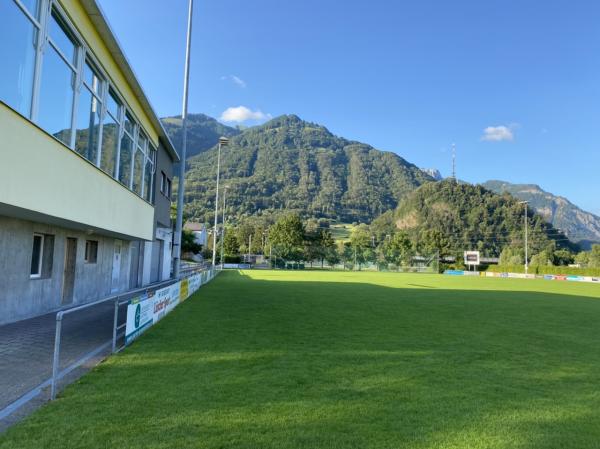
[(119, 300)]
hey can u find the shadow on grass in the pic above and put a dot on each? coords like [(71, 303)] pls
[(260, 364)]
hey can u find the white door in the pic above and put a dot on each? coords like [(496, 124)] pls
[(116, 268)]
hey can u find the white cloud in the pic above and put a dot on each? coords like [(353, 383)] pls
[(241, 114), (499, 133), (235, 80)]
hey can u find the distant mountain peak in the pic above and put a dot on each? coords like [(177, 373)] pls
[(578, 225), (434, 173), (288, 163)]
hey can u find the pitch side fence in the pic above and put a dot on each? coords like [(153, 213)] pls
[(133, 313)]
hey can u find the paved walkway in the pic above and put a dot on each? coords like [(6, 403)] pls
[(26, 347)]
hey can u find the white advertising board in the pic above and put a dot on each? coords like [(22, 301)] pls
[(472, 258), (140, 316)]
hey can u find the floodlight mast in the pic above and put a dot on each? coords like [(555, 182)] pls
[(223, 142), (184, 113), (223, 233), (526, 203)]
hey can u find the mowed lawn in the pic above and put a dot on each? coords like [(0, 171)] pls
[(264, 359)]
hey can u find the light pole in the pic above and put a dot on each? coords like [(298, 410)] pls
[(181, 188), (526, 238), (223, 141), (223, 233)]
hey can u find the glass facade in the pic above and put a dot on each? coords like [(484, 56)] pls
[(87, 127), (56, 96), (18, 43), (50, 76), (125, 157)]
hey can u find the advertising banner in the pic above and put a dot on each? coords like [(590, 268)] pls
[(184, 291), (454, 272), (174, 296), (194, 283), (140, 313)]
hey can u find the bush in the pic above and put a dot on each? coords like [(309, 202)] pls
[(541, 270)]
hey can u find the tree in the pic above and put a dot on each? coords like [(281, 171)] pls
[(562, 257), (332, 256), (541, 259), (312, 247), (397, 249), (231, 246), (361, 243), (511, 256), (188, 242), (287, 237), (327, 244)]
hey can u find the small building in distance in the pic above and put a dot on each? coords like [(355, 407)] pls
[(199, 230), (86, 165)]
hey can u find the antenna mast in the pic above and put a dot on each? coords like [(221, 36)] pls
[(454, 161)]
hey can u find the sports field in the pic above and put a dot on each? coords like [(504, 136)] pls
[(263, 359)]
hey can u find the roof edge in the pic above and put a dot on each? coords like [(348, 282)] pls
[(98, 18)]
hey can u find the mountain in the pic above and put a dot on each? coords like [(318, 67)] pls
[(452, 217), (291, 164), (203, 132), (434, 173), (580, 226)]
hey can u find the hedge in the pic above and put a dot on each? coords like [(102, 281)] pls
[(545, 269)]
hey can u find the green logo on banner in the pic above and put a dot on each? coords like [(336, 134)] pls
[(138, 313)]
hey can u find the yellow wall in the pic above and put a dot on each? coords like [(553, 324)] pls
[(88, 32), (40, 174)]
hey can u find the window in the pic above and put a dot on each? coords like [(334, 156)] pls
[(149, 174), (126, 154), (87, 127), (91, 251), (37, 254), (58, 82), (165, 185), (110, 135), (163, 182), (18, 45), (42, 255), (49, 75), (138, 163)]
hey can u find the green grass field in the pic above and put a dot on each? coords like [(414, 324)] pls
[(341, 231), (263, 359)]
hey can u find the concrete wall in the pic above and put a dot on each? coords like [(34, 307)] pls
[(22, 297), (40, 175), (162, 204)]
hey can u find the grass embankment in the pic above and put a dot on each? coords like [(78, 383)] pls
[(346, 360), (341, 232)]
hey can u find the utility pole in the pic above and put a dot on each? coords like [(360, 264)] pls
[(183, 156)]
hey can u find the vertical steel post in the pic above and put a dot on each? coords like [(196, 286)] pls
[(115, 324), (526, 242), (183, 156), (223, 234), (214, 252), (56, 357)]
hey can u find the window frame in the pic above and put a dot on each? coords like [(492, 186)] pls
[(83, 54), (38, 274), (89, 244)]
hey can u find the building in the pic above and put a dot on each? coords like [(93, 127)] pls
[(85, 164), (199, 231)]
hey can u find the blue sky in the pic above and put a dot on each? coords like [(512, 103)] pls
[(515, 84)]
